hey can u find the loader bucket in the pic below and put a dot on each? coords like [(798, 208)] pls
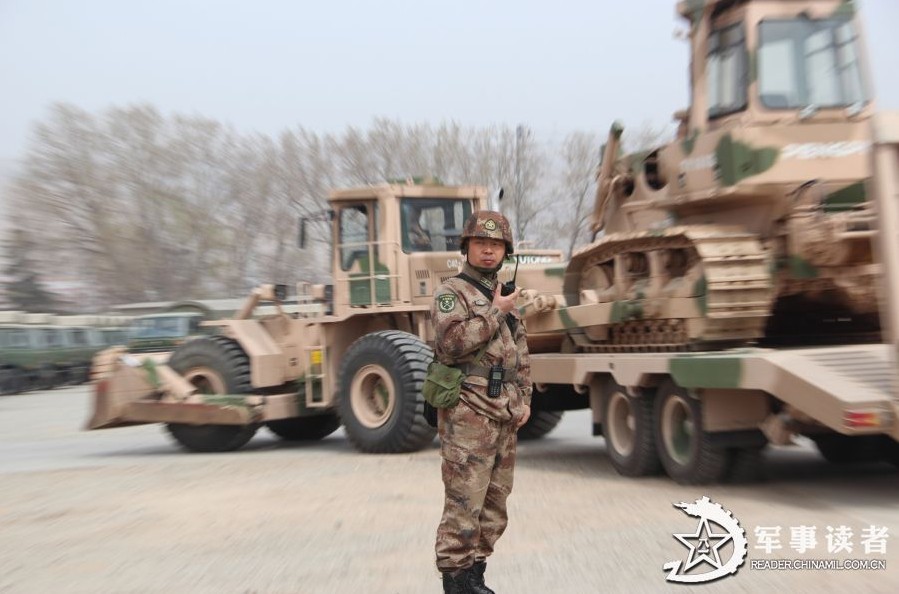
[(118, 379)]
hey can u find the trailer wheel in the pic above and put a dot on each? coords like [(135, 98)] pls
[(684, 446), (837, 448), (215, 365), (380, 402), (305, 428), (627, 428)]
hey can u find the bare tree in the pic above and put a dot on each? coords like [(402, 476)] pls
[(574, 193), (147, 206)]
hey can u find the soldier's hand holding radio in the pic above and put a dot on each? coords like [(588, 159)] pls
[(505, 303)]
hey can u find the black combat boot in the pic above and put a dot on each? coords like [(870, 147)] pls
[(477, 571), (459, 582)]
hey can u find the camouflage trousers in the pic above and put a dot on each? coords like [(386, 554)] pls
[(478, 464)]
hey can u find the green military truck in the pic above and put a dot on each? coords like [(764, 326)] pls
[(42, 351), (164, 331)]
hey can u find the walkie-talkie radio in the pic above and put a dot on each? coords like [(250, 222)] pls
[(495, 381), (508, 288)]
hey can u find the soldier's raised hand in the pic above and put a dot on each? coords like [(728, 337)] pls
[(507, 303)]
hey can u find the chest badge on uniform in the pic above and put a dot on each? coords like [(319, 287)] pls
[(446, 303)]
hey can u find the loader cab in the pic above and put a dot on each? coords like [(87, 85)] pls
[(395, 243)]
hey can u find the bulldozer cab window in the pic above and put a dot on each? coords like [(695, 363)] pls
[(809, 63), (727, 72), (433, 225), (356, 234)]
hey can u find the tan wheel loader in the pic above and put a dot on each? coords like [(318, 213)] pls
[(360, 365)]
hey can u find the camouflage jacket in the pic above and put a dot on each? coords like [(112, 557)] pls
[(463, 320)]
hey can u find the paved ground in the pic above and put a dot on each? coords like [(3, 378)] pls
[(123, 510)]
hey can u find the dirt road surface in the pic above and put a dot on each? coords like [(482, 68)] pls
[(124, 510)]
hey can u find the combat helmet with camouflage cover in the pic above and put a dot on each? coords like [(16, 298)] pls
[(489, 224)]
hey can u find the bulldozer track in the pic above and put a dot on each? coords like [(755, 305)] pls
[(726, 271)]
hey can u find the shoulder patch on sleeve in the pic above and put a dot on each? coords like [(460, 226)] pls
[(446, 302)]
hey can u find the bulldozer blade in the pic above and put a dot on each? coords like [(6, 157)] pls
[(118, 380)]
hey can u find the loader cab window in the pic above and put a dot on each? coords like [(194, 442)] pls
[(809, 63), (356, 235), (433, 225), (727, 71)]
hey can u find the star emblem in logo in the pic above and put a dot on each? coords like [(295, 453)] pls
[(706, 547)]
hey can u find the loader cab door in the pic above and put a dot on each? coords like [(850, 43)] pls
[(363, 277)]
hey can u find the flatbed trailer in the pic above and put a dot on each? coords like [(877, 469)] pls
[(696, 415)]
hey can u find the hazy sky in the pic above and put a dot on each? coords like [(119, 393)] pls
[(265, 65)]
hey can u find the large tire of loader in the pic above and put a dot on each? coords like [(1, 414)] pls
[(543, 420), (685, 448), (215, 365), (540, 424), (627, 425), (305, 428), (379, 397)]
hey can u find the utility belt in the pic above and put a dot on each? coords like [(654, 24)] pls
[(496, 376)]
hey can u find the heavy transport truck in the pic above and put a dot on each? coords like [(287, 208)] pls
[(733, 296), (738, 292), (360, 365)]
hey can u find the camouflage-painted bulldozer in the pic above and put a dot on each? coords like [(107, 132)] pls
[(753, 225), (361, 365)]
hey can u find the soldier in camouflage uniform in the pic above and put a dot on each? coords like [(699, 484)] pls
[(478, 435)]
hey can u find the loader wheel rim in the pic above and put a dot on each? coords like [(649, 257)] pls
[(622, 424), (206, 380), (372, 396), (678, 429)]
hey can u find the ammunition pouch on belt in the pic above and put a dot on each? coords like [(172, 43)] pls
[(442, 385)]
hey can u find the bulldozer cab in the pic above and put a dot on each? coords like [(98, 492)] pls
[(765, 61), (395, 243), (779, 117)]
